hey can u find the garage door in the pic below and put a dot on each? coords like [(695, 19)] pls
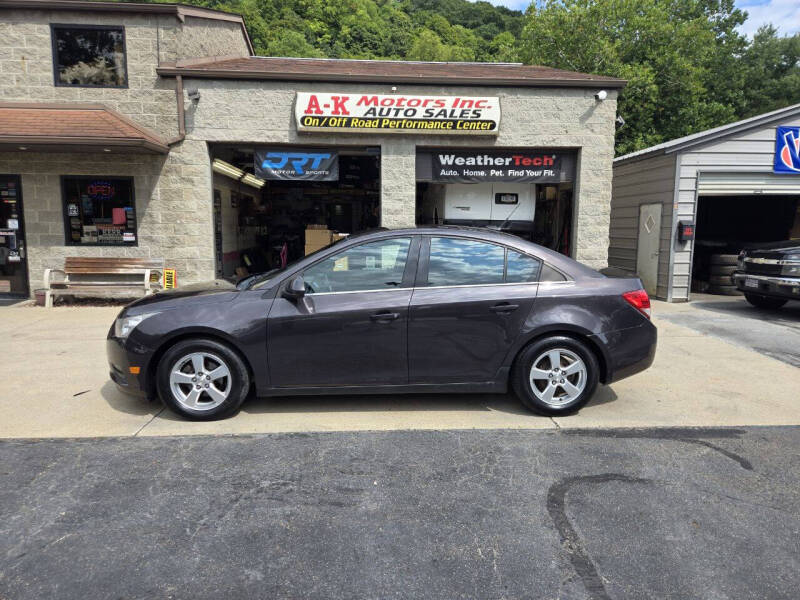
[(726, 184)]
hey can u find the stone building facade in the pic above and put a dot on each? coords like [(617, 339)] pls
[(169, 46)]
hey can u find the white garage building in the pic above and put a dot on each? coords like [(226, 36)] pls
[(729, 186)]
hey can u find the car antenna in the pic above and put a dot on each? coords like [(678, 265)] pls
[(508, 218)]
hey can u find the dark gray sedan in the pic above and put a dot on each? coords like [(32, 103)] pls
[(396, 311)]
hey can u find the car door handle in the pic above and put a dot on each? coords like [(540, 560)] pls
[(504, 308), (384, 316)]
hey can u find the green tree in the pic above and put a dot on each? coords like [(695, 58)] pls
[(771, 72), (448, 30), (670, 51), (427, 46)]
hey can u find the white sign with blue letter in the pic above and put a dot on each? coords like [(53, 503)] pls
[(787, 150)]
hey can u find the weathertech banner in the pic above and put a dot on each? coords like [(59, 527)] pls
[(474, 166), (304, 164), (397, 113)]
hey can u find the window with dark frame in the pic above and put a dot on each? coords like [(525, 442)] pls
[(89, 55), (99, 211)]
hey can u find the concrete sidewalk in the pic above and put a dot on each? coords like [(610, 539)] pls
[(55, 384)]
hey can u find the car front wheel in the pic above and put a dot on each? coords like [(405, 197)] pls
[(556, 375), (764, 301), (202, 380)]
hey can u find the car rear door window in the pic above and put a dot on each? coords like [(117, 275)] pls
[(455, 261), (373, 266), (522, 268)]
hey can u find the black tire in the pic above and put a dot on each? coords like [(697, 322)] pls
[(717, 270), (724, 290), (520, 376), (720, 280), (764, 301), (724, 259), (215, 354)]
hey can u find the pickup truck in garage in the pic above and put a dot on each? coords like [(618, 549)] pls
[(769, 275)]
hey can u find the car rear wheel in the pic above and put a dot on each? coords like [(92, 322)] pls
[(556, 375), (764, 301), (202, 380)]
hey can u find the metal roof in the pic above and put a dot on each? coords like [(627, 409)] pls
[(703, 137)]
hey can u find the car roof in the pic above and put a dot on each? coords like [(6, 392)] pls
[(555, 259)]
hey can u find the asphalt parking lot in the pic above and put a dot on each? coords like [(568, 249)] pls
[(648, 513), (679, 482)]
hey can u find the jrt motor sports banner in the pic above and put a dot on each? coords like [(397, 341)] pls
[(478, 165), (397, 113), (297, 164)]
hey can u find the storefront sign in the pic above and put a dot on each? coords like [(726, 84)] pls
[(307, 164), (100, 190), (787, 150), (397, 113), (475, 166)]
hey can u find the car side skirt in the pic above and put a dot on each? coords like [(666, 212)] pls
[(485, 387)]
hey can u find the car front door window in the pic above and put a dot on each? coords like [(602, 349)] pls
[(374, 266)]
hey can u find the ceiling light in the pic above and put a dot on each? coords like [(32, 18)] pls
[(106, 149), (223, 168), (23, 147), (254, 181)]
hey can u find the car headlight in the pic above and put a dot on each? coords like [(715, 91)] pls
[(791, 265), (124, 325)]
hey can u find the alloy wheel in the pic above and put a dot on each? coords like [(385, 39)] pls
[(200, 381), (558, 377)]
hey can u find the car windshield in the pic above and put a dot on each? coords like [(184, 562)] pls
[(258, 280)]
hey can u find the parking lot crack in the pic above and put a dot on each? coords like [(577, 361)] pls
[(150, 421), (570, 540), (688, 435)]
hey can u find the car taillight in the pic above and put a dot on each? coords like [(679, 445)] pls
[(639, 300)]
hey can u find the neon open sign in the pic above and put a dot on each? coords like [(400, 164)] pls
[(100, 190)]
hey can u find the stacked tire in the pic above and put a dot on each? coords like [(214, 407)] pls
[(720, 281)]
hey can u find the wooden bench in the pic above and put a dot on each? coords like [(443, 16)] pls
[(103, 277)]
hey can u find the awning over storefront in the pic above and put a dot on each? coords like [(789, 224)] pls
[(73, 128)]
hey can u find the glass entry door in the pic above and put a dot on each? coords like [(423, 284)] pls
[(13, 266)]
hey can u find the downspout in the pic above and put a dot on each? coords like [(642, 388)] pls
[(181, 112)]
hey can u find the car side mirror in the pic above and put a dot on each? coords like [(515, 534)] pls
[(296, 288)]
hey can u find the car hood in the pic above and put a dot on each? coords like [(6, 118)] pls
[(209, 292), (784, 247)]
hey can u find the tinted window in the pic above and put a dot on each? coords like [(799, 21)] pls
[(464, 262), (550, 274), (89, 55), (522, 268), (373, 266), (99, 211)]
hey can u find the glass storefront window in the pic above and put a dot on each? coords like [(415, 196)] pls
[(99, 211), (86, 55)]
